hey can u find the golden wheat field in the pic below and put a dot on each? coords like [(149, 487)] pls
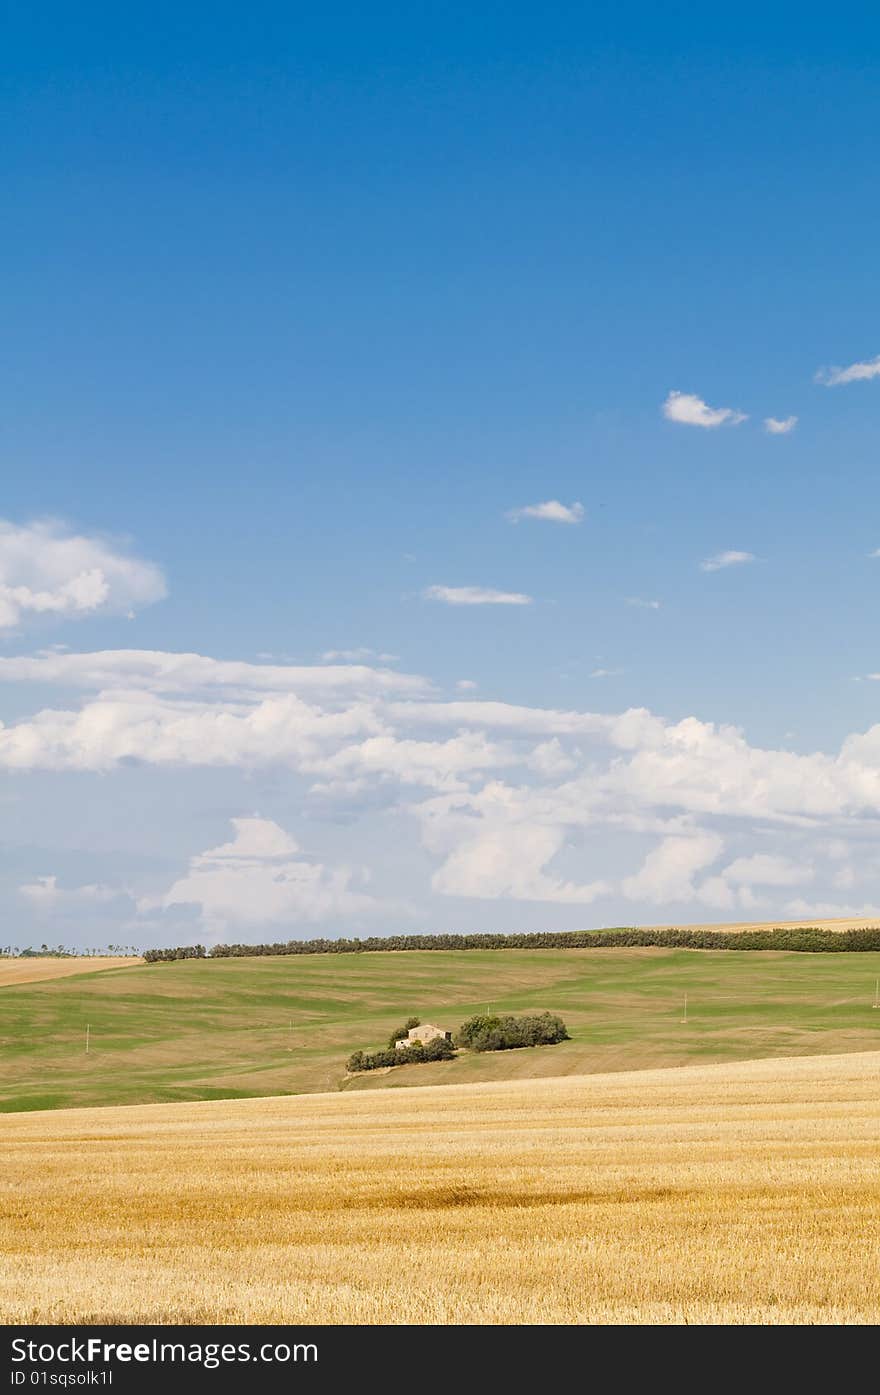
[(38, 969), (740, 1193), (839, 924)]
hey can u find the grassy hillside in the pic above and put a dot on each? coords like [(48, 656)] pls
[(738, 1193), (212, 1029)]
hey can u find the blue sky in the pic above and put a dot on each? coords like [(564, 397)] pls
[(299, 309)]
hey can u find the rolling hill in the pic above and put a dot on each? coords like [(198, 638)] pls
[(207, 1029)]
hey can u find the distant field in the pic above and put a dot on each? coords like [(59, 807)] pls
[(742, 1193), (243, 1027), (36, 970), (847, 923)]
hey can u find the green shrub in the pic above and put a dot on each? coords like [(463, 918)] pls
[(484, 1033)]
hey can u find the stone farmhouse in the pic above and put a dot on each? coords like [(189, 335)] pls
[(422, 1035)]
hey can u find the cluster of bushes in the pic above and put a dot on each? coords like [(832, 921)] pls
[(437, 1050), (486, 1033), (808, 940), (482, 1033)]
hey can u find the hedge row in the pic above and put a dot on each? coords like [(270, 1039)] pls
[(437, 1050), (810, 940)]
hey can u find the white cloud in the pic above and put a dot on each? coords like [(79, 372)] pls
[(466, 685), (855, 373), (160, 672), (833, 910), (606, 672), (550, 759), (261, 877), (641, 604), (509, 862), (357, 656), (475, 595), (690, 410), (779, 426), (765, 869), (668, 870), (726, 559), (504, 716), (46, 895), (45, 569), (551, 511)]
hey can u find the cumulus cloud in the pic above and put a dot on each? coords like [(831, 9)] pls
[(690, 410), (667, 873), (726, 559), (509, 862), (466, 685), (261, 877), (551, 511), (779, 426), (550, 759), (47, 570), (855, 373), (475, 595), (642, 604)]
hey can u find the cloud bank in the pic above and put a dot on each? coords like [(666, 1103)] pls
[(509, 802)]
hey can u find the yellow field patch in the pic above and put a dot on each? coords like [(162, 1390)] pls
[(839, 925), (738, 1193), (35, 970)]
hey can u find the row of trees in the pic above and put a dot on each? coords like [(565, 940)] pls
[(62, 952), (810, 940)]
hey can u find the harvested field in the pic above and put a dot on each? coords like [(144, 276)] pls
[(747, 1192), (39, 970), (839, 925)]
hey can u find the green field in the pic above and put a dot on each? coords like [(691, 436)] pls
[(203, 1029)]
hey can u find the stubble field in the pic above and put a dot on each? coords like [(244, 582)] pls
[(44, 970), (747, 1192)]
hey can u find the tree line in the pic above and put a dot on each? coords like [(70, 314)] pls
[(809, 940)]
